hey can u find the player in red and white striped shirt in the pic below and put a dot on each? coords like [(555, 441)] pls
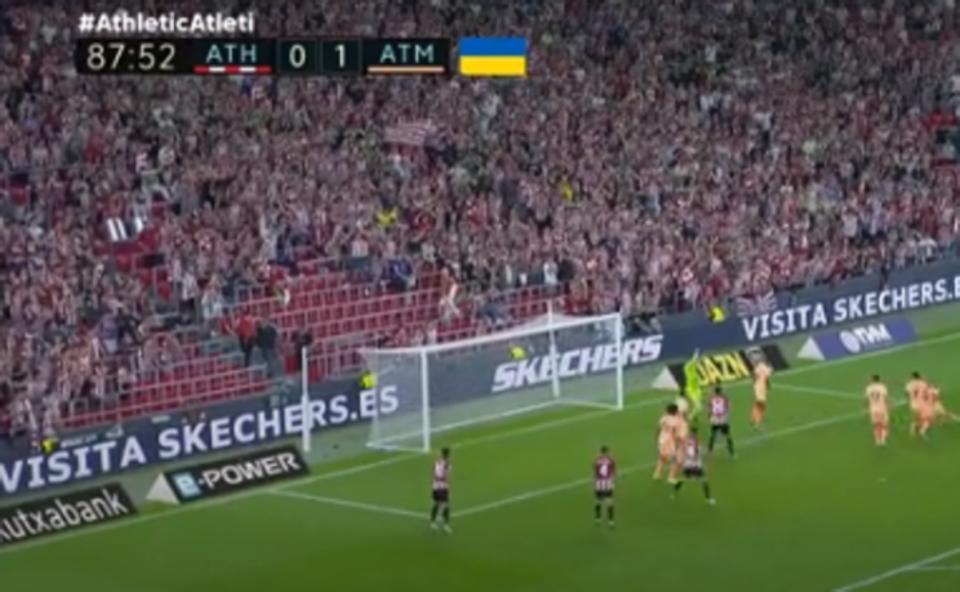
[(693, 468), (720, 420), (441, 491), (604, 476)]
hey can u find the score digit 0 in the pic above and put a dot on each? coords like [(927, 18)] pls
[(297, 57)]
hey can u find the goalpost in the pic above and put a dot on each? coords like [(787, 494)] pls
[(553, 360)]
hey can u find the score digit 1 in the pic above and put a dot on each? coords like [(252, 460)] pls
[(341, 56), (297, 57)]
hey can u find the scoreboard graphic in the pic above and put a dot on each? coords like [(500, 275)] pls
[(297, 57)]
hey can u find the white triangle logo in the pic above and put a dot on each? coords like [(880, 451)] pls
[(665, 381), (810, 351), (162, 492)]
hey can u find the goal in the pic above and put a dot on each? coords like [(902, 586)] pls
[(553, 360)]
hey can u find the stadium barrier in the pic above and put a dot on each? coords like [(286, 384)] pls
[(338, 404), (800, 312)]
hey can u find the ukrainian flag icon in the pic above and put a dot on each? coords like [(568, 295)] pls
[(493, 56)]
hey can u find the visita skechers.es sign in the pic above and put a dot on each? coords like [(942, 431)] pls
[(852, 307)]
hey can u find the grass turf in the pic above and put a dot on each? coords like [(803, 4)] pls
[(811, 504)]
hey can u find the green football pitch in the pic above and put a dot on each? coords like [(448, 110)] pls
[(810, 504)]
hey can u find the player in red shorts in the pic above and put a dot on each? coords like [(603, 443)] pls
[(604, 476), (441, 491)]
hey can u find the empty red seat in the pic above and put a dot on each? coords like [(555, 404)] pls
[(326, 304)]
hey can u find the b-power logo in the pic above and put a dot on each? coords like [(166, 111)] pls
[(228, 475)]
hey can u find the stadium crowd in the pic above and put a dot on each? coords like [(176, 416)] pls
[(661, 155)]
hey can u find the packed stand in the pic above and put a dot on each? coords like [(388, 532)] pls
[(661, 156)]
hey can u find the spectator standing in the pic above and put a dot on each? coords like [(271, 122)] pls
[(267, 339), (246, 331), (449, 288)]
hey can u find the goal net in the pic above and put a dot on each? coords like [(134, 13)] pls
[(553, 360)]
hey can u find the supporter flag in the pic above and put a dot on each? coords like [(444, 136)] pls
[(410, 133), (116, 230), (757, 305), (493, 56)]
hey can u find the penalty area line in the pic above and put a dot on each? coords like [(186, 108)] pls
[(754, 441), (335, 501), (468, 442), (919, 565), (818, 391)]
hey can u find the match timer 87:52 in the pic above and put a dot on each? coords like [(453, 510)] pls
[(128, 56)]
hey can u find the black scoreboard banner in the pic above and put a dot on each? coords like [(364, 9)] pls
[(317, 57)]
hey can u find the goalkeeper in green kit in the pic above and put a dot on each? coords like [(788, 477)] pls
[(691, 387)]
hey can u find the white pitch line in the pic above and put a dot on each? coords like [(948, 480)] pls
[(812, 425), (334, 501), (536, 493), (404, 457), (877, 353), (494, 437), (900, 570), (357, 469), (396, 459), (938, 568), (817, 391), (558, 422), (529, 495)]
